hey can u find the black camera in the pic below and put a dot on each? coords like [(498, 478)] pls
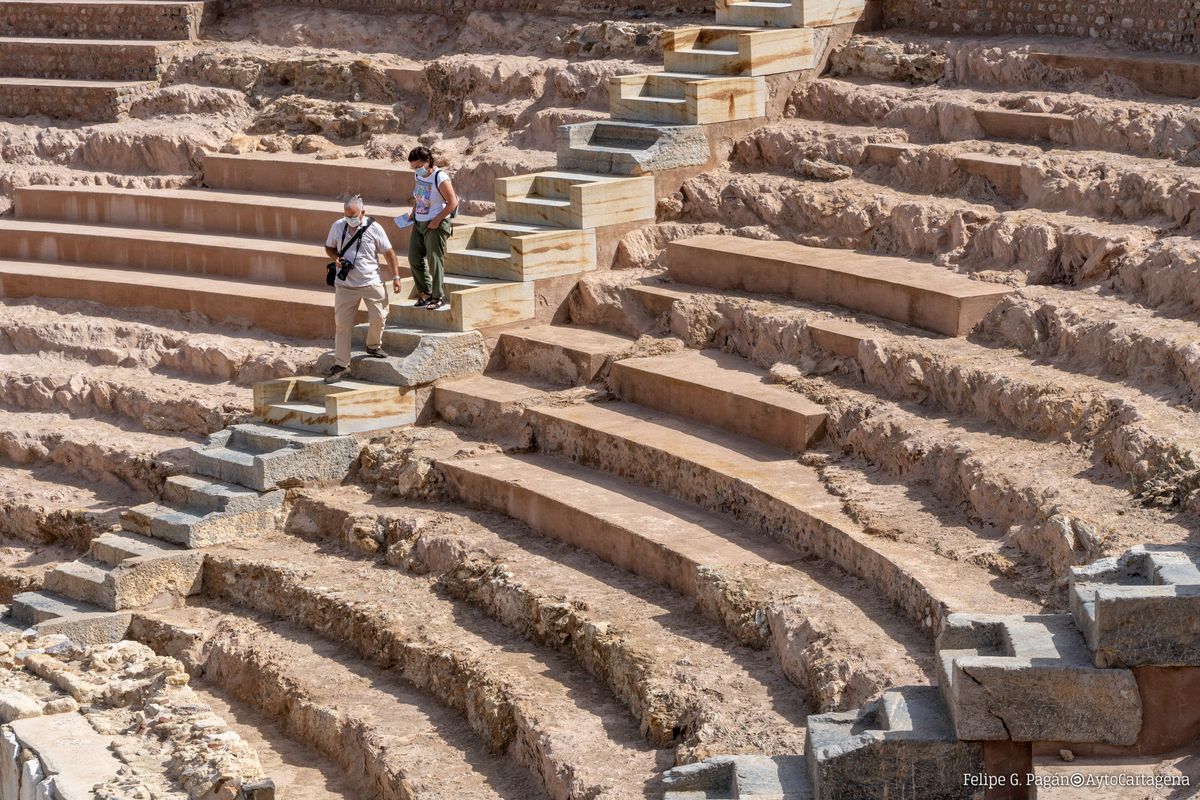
[(344, 268)]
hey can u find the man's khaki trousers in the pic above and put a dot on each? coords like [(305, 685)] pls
[(345, 314)]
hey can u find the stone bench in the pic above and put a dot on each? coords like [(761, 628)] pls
[(901, 289)]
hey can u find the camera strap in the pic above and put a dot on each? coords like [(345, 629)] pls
[(366, 223)]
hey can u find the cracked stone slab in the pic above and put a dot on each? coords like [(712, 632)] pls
[(416, 356), (902, 746), (1030, 679), (1141, 608)]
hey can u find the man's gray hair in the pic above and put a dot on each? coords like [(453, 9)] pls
[(354, 203)]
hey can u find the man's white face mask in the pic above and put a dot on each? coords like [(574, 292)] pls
[(352, 221)]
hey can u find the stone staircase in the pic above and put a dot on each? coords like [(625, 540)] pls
[(156, 558), (1006, 683), (87, 60)]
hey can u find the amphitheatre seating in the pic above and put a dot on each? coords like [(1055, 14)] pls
[(720, 390), (900, 289), (634, 528), (571, 356), (1140, 608), (246, 249), (249, 253), (86, 60), (1157, 74)]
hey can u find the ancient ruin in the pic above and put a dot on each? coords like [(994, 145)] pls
[(813, 415)]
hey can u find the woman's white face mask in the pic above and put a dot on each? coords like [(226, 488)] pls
[(423, 172)]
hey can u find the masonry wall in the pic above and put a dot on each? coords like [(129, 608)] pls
[(100, 21), (612, 9), (1149, 24)]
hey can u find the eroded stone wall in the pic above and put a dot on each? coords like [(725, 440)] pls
[(1151, 24)]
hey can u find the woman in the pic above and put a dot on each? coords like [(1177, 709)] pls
[(434, 203)]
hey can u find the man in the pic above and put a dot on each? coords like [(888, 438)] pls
[(434, 204), (358, 280)]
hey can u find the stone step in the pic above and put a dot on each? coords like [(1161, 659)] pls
[(84, 581), (83, 623), (905, 290), (377, 180), (264, 458), (416, 356), (474, 303), (102, 19), (208, 494), (193, 528), (87, 59), (561, 354), (79, 101), (901, 745), (296, 263), (515, 252), (689, 460), (1138, 609), (627, 525), (1002, 172), (1024, 126), (301, 312), (482, 400), (574, 200), (793, 14), (345, 407), (686, 99), (197, 211), (723, 390), (735, 50), (164, 577), (747, 777), (1031, 679), (114, 547), (630, 148), (1157, 73)]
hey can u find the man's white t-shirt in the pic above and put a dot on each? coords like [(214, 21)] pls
[(364, 253), (427, 196)]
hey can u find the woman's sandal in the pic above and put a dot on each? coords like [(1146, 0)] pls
[(434, 303)]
